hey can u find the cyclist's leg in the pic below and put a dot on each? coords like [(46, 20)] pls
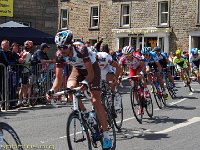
[(73, 80)]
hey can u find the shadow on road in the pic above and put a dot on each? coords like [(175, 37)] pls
[(164, 119), (188, 97), (127, 134), (180, 107)]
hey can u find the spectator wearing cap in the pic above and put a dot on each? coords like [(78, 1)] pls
[(40, 56)]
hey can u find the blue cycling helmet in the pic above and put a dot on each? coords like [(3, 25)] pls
[(194, 51), (146, 50), (63, 37)]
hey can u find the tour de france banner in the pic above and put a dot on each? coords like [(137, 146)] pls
[(6, 8)]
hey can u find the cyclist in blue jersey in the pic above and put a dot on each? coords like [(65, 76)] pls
[(163, 60), (152, 63)]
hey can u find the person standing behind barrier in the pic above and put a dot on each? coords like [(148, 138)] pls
[(7, 58), (171, 57), (16, 69), (25, 87)]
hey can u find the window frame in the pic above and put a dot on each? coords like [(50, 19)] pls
[(160, 13), (64, 19), (91, 17), (122, 15), (198, 13)]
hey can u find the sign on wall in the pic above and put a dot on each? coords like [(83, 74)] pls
[(6, 8)]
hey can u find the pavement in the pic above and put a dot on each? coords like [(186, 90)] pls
[(173, 128)]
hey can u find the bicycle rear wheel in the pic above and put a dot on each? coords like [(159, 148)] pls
[(158, 99), (136, 105), (10, 138), (77, 134)]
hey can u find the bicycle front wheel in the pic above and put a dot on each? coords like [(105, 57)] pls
[(118, 116), (136, 105), (149, 107), (10, 138), (77, 133)]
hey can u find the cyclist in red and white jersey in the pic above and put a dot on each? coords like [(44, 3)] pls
[(136, 66)]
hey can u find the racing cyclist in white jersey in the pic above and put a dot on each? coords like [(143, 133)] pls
[(110, 71), (195, 63), (85, 70)]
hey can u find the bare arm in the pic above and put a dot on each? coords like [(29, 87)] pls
[(58, 81), (159, 66), (119, 69), (90, 76)]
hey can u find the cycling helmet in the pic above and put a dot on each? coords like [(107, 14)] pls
[(137, 55), (157, 49), (178, 52), (127, 50), (194, 51), (146, 50), (63, 37)]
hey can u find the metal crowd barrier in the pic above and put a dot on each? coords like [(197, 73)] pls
[(3, 87), (27, 83)]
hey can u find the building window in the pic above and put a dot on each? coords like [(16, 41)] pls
[(64, 19), (163, 13), (125, 15), (94, 17), (198, 12)]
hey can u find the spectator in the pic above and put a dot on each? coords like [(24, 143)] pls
[(171, 57), (25, 87), (119, 54), (186, 54), (40, 56), (97, 46), (7, 58)]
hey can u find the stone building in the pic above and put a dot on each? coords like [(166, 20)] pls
[(171, 24), (39, 14)]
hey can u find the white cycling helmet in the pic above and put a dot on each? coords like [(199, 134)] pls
[(127, 50), (63, 37)]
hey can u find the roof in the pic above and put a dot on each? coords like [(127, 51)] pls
[(12, 24)]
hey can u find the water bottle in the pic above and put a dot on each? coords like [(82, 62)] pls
[(1, 139), (92, 118)]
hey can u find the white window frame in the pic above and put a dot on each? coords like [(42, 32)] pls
[(62, 19), (198, 12), (124, 15), (92, 17), (163, 13)]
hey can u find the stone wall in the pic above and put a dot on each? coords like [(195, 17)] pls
[(43, 14), (144, 13)]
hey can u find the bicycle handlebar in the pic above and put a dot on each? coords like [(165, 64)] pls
[(71, 91)]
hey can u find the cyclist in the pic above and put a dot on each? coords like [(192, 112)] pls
[(151, 61), (134, 61), (195, 63), (110, 71), (163, 60), (86, 70), (181, 63)]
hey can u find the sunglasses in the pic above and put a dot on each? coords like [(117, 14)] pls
[(64, 47)]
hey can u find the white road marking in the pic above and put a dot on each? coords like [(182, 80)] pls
[(180, 125), (191, 93), (173, 103)]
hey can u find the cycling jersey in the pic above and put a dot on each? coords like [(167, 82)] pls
[(80, 55), (181, 62), (151, 62), (105, 60), (134, 63), (162, 60), (195, 61)]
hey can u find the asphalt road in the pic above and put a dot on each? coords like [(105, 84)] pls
[(176, 127)]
